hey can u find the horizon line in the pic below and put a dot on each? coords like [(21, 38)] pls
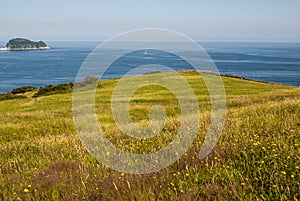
[(198, 41)]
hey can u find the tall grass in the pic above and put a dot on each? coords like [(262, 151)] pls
[(257, 157)]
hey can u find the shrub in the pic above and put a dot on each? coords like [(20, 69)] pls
[(23, 90), (52, 89), (90, 80), (9, 95)]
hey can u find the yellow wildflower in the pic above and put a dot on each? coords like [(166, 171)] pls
[(26, 190)]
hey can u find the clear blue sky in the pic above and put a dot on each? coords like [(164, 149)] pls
[(204, 20)]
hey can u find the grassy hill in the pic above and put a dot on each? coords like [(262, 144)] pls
[(257, 157)]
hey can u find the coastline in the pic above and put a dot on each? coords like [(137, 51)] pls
[(23, 49), (204, 72)]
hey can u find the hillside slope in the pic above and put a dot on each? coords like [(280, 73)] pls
[(257, 157)]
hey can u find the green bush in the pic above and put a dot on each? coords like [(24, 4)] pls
[(23, 90), (9, 95), (52, 89)]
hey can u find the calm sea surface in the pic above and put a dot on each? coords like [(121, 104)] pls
[(273, 62)]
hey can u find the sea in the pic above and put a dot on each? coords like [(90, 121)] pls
[(270, 62)]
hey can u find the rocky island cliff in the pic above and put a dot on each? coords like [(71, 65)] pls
[(24, 44)]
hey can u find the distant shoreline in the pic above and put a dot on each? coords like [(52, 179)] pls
[(23, 49)]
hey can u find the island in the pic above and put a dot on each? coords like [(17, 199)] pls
[(24, 44)]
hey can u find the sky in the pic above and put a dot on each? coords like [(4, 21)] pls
[(201, 20)]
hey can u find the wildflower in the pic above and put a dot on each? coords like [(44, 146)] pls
[(297, 167), (283, 172), (292, 176), (26, 190), (206, 164), (122, 174), (243, 184), (274, 186), (187, 174), (275, 155), (29, 186), (172, 184)]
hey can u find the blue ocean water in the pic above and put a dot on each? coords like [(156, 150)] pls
[(272, 62)]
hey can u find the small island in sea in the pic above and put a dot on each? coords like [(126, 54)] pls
[(24, 44)]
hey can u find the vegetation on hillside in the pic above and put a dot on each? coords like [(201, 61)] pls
[(22, 43), (10, 95), (64, 88), (256, 158), (22, 90), (54, 89)]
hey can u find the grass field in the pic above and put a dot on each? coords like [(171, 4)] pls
[(256, 158)]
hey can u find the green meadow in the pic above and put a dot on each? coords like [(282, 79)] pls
[(256, 158)]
